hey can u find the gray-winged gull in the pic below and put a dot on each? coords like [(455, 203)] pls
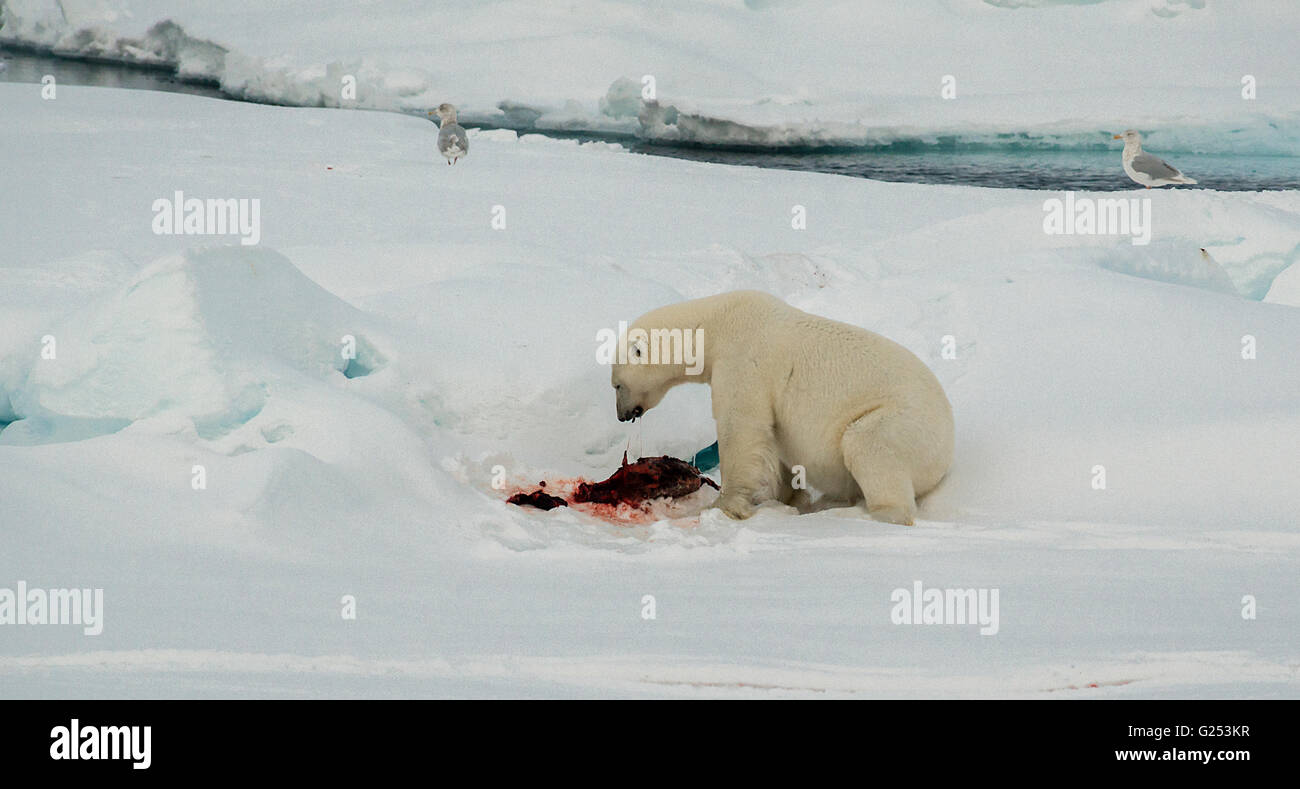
[(453, 143), (1146, 169)]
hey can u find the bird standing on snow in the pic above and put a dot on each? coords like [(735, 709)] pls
[(1146, 169), (453, 143)]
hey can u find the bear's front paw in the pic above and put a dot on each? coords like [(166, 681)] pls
[(736, 507)]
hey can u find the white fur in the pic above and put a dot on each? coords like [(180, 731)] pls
[(863, 415)]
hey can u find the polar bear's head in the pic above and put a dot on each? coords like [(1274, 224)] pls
[(638, 385), (653, 357)]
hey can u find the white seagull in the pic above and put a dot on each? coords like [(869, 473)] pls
[(1146, 169), (453, 143)]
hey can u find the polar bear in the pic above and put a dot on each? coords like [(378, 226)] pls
[(864, 416)]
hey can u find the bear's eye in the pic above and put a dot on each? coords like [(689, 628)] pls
[(636, 351)]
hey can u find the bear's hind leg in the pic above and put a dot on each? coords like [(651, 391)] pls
[(791, 496), (873, 459)]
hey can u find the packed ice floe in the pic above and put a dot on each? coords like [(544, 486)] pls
[(735, 73)]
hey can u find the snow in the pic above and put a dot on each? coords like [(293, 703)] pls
[(1285, 289), (798, 73), (476, 347)]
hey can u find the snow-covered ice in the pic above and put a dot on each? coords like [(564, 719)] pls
[(371, 477), (751, 72)]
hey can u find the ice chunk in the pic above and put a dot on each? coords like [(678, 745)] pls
[(203, 335)]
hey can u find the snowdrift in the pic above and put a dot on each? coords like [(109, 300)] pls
[(200, 336)]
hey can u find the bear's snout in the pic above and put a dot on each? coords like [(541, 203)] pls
[(625, 405)]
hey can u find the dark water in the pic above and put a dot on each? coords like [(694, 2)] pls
[(1006, 168), (1039, 169), (29, 67)]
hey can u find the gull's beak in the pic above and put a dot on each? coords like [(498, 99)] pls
[(1118, 137)]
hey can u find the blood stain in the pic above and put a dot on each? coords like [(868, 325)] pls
[(628, 490)]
